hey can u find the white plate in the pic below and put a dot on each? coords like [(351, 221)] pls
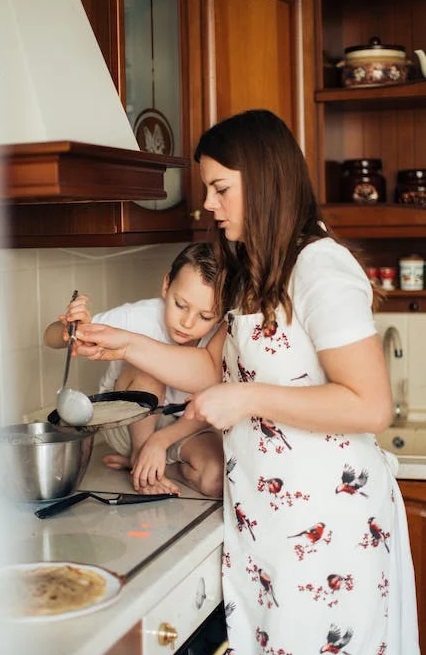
[(113, 586)]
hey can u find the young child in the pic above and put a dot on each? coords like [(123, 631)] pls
[(184, 315)]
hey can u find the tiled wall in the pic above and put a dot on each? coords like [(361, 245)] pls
[(412, 366), (35, 286)]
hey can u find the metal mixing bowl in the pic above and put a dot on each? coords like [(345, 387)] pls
[(41, 462)]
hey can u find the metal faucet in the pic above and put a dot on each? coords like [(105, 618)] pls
[(392, 339)]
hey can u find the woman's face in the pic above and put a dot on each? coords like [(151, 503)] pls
[(224, 197)]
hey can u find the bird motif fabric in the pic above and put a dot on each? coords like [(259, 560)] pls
[(312, 562)]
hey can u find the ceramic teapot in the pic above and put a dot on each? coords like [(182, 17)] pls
[(422, 59)]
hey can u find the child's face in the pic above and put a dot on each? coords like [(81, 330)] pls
[(189, 313)]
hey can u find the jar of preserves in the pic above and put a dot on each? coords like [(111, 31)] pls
[(411, 187), (411, 273), (362, 182)]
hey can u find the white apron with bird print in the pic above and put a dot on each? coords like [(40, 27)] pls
[(316, 552)]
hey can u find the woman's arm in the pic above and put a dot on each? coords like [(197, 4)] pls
[(181, 367), (357, 397)]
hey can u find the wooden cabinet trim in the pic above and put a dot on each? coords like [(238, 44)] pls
[(67, 171)]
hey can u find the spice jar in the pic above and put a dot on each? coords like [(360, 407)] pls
[(373, 275), (387, 277), (411, 273), (411, 187), (362, 181)]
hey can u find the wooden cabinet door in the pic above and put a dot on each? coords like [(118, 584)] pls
[(248, 61), (255, 60), (414, 493)]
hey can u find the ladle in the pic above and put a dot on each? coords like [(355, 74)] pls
[(74, 407)]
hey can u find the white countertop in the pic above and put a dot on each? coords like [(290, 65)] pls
[(94, 533)]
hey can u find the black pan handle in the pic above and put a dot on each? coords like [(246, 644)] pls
[(129, 499), (173, 408), (61, 505)]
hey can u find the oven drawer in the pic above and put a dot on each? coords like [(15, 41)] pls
[(170, 623)]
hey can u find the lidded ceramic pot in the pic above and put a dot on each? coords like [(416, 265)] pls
[(374, 64)]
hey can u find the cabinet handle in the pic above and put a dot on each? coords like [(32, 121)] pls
[(200, 594), (414, 306), (167, 635), (196, 214)]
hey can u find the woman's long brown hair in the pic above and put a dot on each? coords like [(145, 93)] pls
[(282, 214)]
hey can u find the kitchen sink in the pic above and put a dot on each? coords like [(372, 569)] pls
[(407, 441)]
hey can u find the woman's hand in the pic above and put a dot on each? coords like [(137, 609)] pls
[(102, 342), (222, 405)]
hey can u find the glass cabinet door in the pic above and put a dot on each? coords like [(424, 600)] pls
[(153, 93)]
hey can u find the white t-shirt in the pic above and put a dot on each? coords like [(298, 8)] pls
[(331, 295), (144, 317)]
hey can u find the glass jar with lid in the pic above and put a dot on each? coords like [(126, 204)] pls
[(362, 181), (411, 187)]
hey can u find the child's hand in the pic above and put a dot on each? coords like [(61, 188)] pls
[(76, 311), (149, 464)]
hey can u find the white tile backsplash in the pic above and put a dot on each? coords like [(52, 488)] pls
[(37, 285), (412, 365)]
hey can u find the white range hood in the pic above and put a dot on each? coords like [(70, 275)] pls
[(54, 83)]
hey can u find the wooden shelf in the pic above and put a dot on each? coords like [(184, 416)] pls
[(400, 293), (67, 171), (376, 221), (403, 96)]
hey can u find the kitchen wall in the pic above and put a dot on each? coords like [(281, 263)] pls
[(412, 366), (36, 284), (35, 287)]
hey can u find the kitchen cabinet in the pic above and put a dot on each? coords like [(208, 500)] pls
[(388, 123), (414, 493), (233, 56)]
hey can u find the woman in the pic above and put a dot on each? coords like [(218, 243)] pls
[(316, 551)]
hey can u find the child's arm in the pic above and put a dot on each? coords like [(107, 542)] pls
[(55, 335), (149, 462)]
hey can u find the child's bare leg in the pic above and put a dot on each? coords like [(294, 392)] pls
[(202, 466), (132, 379)]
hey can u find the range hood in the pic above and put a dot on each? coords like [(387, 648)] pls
[(64, 134)]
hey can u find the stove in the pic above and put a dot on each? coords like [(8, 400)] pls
[(124, 539)]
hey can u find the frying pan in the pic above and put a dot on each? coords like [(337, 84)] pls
[(114, 581), (129, 406)]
